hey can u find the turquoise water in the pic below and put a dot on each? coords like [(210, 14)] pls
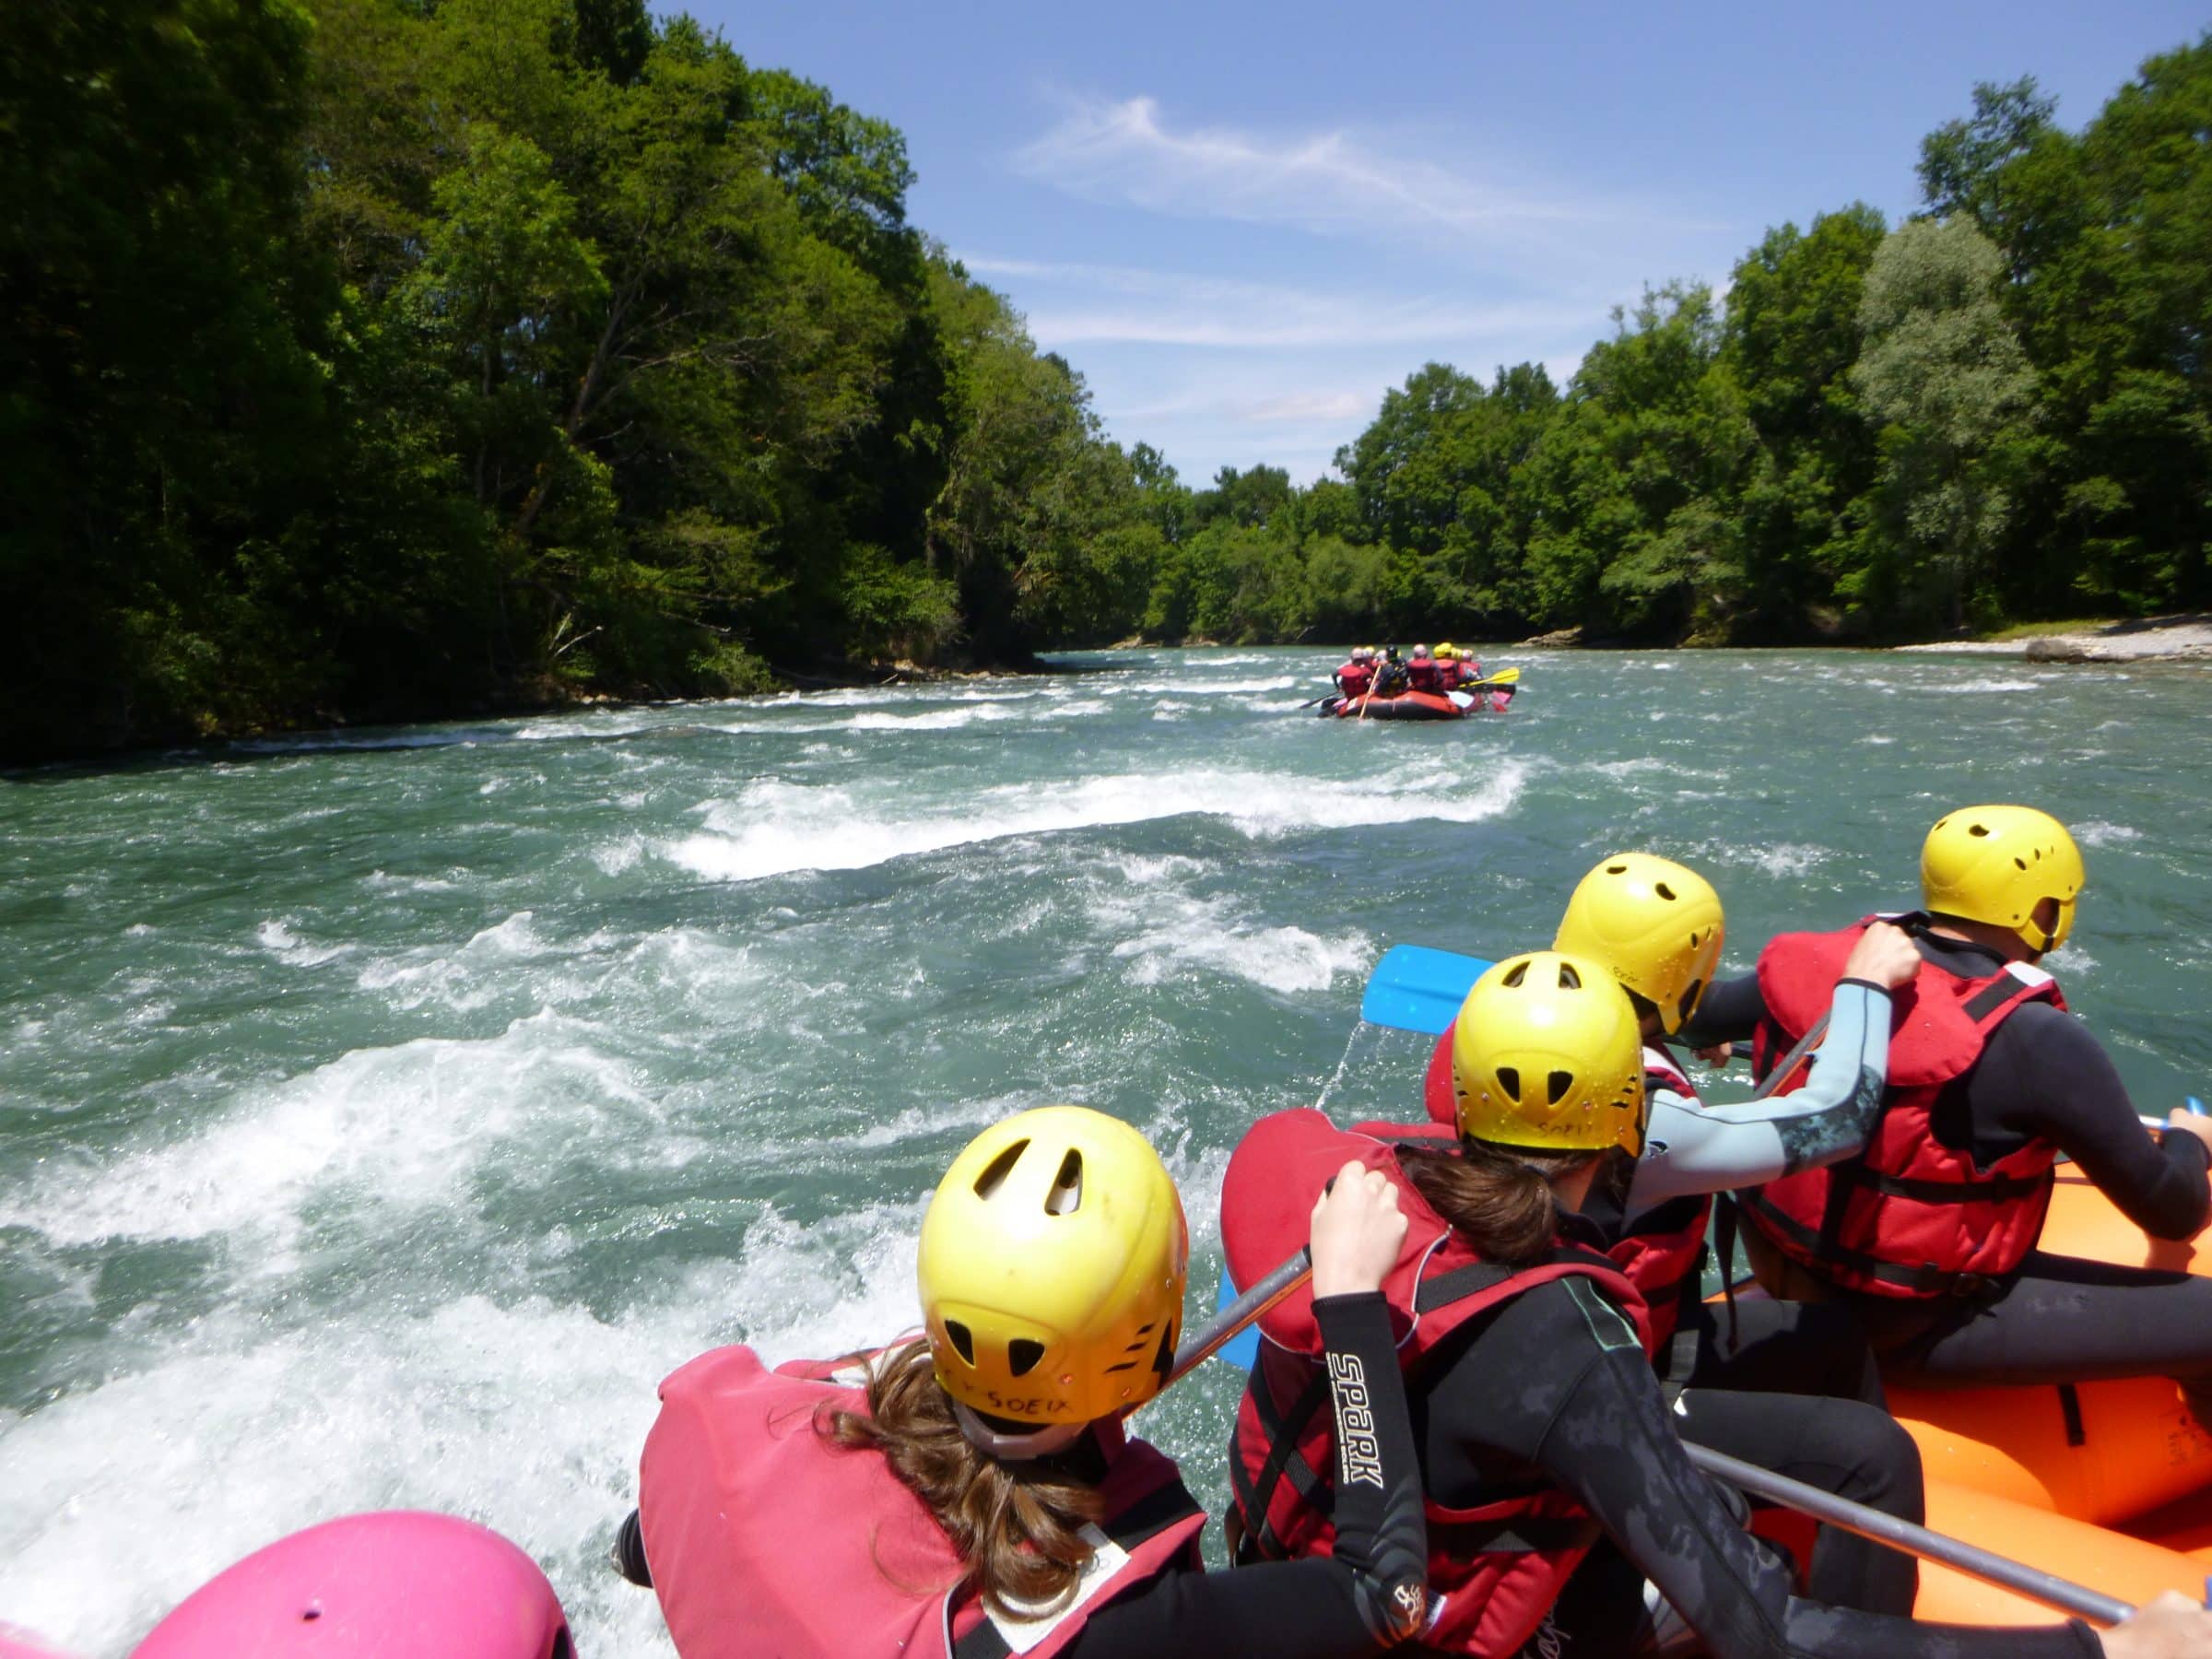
[(382, 1116)]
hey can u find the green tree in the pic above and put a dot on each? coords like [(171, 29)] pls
[(1943, 374), (1630, 480), (1790, 338)]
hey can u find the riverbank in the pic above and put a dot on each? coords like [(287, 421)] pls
[(2146, 640)]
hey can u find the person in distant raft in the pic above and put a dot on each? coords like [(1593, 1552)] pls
[(1790, 1387), (1929, 1234), (1357, 674), (1463, 670), (1425, 673), (1391, 677), (970, 1491), (1565, 1517)]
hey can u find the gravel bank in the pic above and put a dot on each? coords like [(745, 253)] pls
[(2158, 639)]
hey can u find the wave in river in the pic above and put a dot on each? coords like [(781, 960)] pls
[(775, 827)]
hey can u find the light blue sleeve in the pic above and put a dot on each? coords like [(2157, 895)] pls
[(1688, 1149)]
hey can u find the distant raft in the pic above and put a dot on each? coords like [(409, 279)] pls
[(1405, 705)]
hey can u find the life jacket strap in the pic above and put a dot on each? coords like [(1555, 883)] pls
[(1923, 1280), (1255, 1496), (1681, 1356), (1992, 1189)]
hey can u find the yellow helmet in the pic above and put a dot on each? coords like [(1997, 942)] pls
[(1996, 864), (1447, 652), (1051, 1270), (1655, 924), (1547, 1055)]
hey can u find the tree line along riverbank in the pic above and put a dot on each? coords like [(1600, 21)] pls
[(390, 358)]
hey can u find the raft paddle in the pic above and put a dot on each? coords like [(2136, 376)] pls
[(1955, 1553), (1246, 1309), (1414, 988)]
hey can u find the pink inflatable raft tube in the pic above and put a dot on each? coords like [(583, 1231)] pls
[(399, 1584)]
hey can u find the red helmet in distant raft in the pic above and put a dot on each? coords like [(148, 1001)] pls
[(403, 1582)]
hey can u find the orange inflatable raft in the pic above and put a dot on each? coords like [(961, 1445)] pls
[(2108, 1484)]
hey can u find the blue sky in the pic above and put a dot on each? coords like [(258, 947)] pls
[(1245, 223)]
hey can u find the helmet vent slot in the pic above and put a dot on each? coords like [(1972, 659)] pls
[(1022, 1356), (2019, 863), (1066, 1195), (1516, 973), (1560, 1082), (962, 1340), (996, 1172), (1616, 869), (1568, 978), (1973, 829), (1663, 892), (1508, 1079), (1164, 1360)]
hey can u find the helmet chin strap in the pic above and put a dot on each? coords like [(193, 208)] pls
[(1015, 1447)]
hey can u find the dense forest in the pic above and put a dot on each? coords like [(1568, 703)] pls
[(384, 359)]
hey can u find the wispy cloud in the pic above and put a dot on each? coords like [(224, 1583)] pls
[(1071, 304), (1336, 181)]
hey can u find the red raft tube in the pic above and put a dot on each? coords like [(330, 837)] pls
[(1407, 705)]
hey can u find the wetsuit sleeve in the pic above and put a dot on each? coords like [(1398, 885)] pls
[(1688, 1149), (1578, 1399), (1729, 1012), (2044, 1074), (1382, 1529), (1370, 1596)]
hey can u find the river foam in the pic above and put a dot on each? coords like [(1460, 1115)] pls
[(775, 827)]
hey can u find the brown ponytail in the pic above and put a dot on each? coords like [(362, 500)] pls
[(1501, 1200), (1015, 1525)]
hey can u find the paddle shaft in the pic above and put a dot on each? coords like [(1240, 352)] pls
[(1247, 1308), (1791, 1061), (2032, 1582)]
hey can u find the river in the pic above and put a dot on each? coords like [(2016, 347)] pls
[(381, 1114)]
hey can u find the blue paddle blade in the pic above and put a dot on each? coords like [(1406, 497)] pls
[(1242, 1350), (1416, 989)]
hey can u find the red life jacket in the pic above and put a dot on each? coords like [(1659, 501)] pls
[(1663, 1250), (1469, 670), (1354, 678), (1908, 1217), (1426, 673), (763, 1537), (1663, 1253), (1496, 1566)]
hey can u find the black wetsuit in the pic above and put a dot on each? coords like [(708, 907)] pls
[(2043, 1076), (1554, 1387), (1792, 1388), (1322, 1607)]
